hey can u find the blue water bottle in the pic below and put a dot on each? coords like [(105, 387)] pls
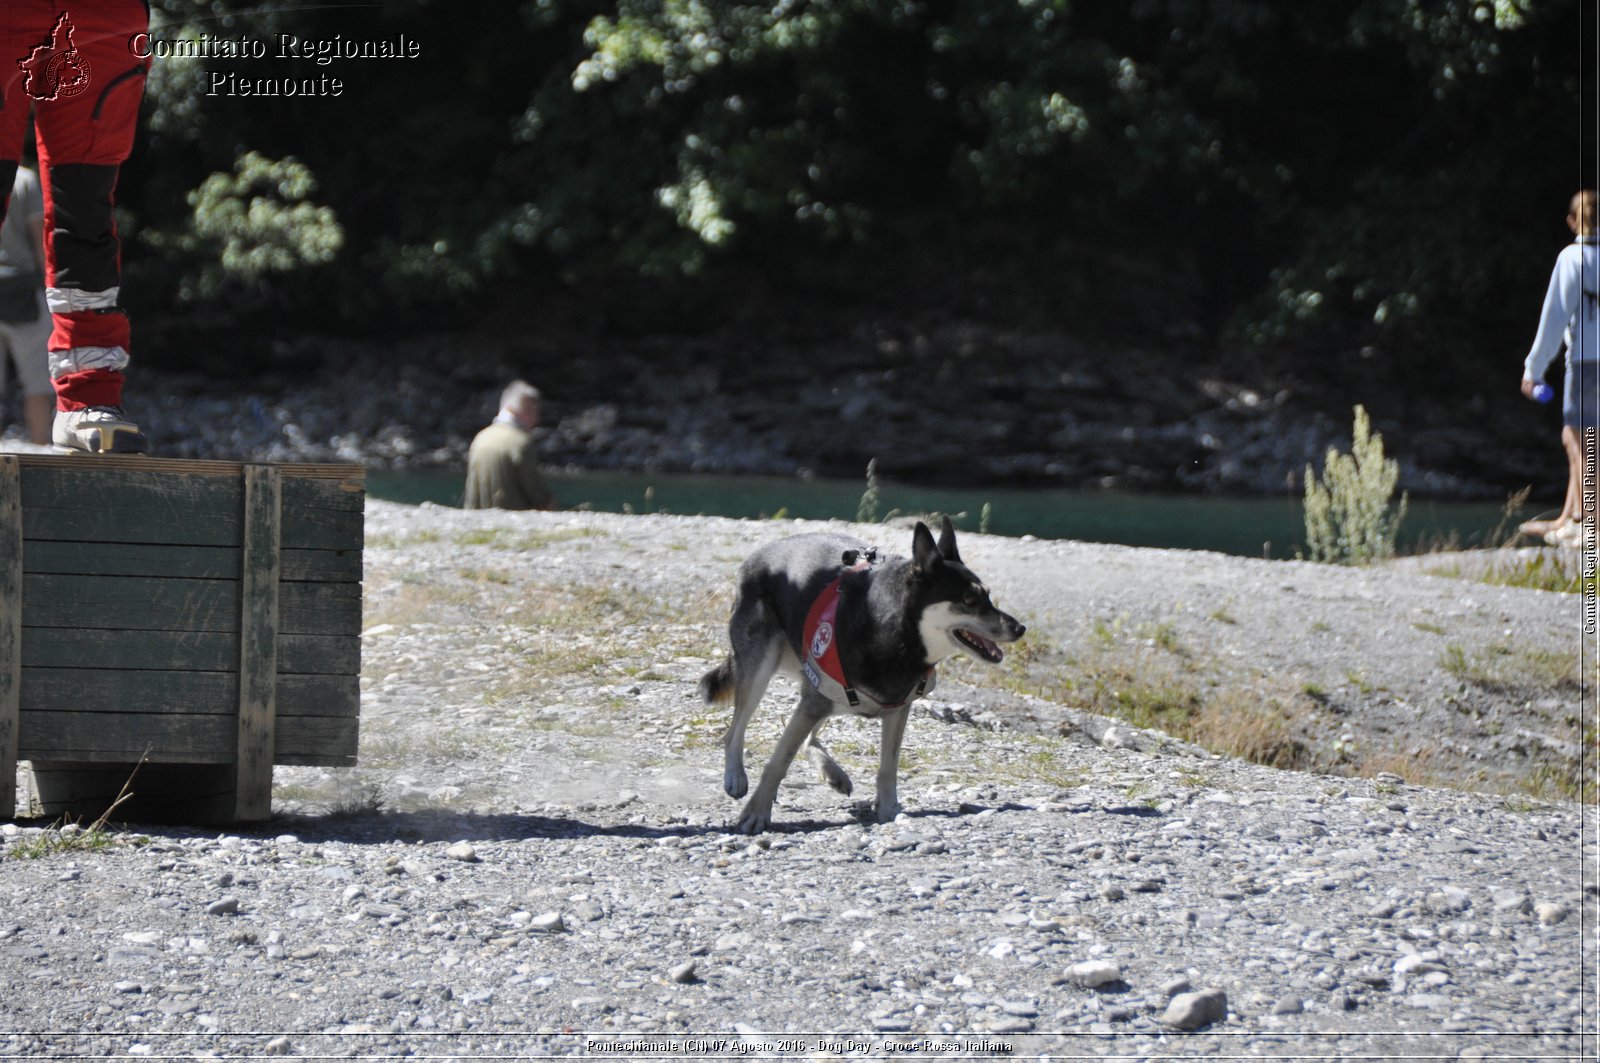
[(1543, 392)]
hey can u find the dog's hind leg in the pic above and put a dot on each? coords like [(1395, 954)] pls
[(832, 774), (752, 671), (757, 814), (894, 732)]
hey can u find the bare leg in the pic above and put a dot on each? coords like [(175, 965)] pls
[(1573, 445), (39, 412), (1570, 506)]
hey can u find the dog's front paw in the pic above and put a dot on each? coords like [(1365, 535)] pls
[(734, 781)]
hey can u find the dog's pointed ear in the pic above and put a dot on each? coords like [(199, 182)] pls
[(947, 541), (924, 551)]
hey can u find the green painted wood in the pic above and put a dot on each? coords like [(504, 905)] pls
[(186, 738), (335, 486), (319, 608), (180, 651), (49, 557), (144, 569), (174, 504), (183, 651), (322, 566), (129, 603), (86, 737), (318, 740), (154, 604), (258, 643), (120, 506), (10, 628), (325, 494), (128, 465), (319, 655), (113, 690)]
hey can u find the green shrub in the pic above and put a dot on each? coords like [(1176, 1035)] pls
[(1349, 516)]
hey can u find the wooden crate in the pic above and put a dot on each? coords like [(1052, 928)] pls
[(198, 619)]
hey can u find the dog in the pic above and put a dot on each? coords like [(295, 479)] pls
[(861, 633)]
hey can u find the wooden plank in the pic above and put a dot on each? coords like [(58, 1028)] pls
[(131, 603), (319, 655), (333, 494), (324, 514), (177, 651), (318, 741), (258, 643), (107, 505), (305, 528), (88, 738), (306, 697), (320, 608), (51, 557), (54, 557), (153, 604), (10, 629), (107, 502), (108, 691), (184, 516), (183, 651), (186, 738), (123, 464), (322, 566)]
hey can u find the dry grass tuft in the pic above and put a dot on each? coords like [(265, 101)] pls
[(1150, 679), (1508, 667)]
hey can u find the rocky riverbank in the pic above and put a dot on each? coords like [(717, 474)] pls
[(533, 857), (946, 404)]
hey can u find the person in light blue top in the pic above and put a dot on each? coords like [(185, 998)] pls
[(1571, 317)]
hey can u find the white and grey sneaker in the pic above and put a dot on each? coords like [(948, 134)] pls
[(97, 430), (1573, 535)]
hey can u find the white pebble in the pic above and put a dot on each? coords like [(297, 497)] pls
[(1092, 973)]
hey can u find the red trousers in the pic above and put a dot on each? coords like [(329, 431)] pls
[(72, 65)]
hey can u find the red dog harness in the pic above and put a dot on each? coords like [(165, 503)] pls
[(821, 664)]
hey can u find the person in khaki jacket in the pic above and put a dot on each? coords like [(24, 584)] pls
[(503, 461)]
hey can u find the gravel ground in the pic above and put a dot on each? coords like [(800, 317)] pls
[(533, 857)]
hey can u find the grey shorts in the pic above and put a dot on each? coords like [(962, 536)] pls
[(1580, 398), (24, 346)]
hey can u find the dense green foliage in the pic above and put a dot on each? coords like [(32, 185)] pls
[(1253, 174)]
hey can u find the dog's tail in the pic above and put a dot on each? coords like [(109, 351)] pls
[(716, 686)]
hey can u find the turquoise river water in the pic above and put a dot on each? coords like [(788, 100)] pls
[(1252, 527)]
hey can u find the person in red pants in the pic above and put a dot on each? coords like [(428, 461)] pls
[(71, 64)]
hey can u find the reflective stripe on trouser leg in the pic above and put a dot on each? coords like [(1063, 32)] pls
[(88, 351), (82, 137)]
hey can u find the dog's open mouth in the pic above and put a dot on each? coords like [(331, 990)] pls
[(979, 645)]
